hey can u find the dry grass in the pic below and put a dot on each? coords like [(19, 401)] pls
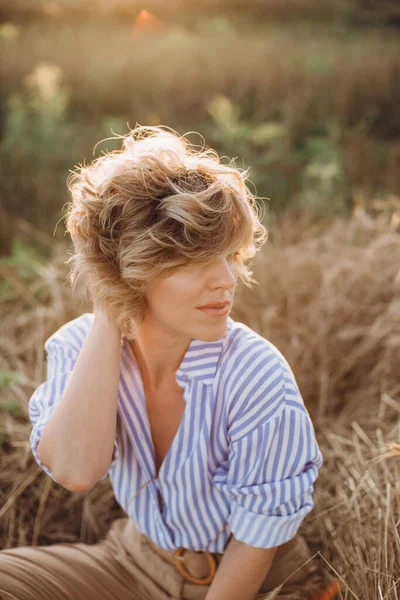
[(329, 300)]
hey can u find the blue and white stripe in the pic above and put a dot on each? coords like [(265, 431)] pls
[(244, 458)]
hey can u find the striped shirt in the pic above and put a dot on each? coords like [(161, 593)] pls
[(244, 458)]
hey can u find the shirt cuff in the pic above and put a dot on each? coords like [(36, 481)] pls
[(266, 531)]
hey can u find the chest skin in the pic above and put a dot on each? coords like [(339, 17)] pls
[(165, 408)]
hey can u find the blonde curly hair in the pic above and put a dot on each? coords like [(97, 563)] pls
[(143, 211)]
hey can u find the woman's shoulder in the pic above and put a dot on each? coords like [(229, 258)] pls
[(244, 341), (71, 334), (256, 375)]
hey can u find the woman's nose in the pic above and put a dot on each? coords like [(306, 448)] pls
[(225, 273)]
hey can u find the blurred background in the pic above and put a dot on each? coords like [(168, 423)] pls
[(307, 94)]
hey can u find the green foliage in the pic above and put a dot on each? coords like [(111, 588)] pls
[(268, 109), (7, 379), (13, 408), (22, 264), (217, 25), (309, 175), (323, 185), (24, 254), (37, 131)]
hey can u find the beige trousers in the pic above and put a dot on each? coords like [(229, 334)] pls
[(126, 565)]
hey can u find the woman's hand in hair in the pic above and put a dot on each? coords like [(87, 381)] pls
[(101, 314)]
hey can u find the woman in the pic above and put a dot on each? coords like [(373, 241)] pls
[(197, 419)]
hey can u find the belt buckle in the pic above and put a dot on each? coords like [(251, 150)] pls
[(199, 580)]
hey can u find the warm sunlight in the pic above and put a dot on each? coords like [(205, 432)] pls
[(146, 22), (199, 289)]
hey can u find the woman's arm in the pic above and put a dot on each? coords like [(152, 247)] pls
[(241, 572), (77, 442), (273, 462)]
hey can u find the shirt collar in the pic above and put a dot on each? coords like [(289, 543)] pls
[(201, 358)]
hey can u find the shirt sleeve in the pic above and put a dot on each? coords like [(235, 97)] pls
[(270, 479), (61, 358)]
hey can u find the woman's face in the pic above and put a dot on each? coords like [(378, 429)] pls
[(173, 301)]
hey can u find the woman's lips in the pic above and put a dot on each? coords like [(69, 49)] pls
[(216, 311)]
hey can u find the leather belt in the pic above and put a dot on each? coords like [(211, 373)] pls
[(175, 557)]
